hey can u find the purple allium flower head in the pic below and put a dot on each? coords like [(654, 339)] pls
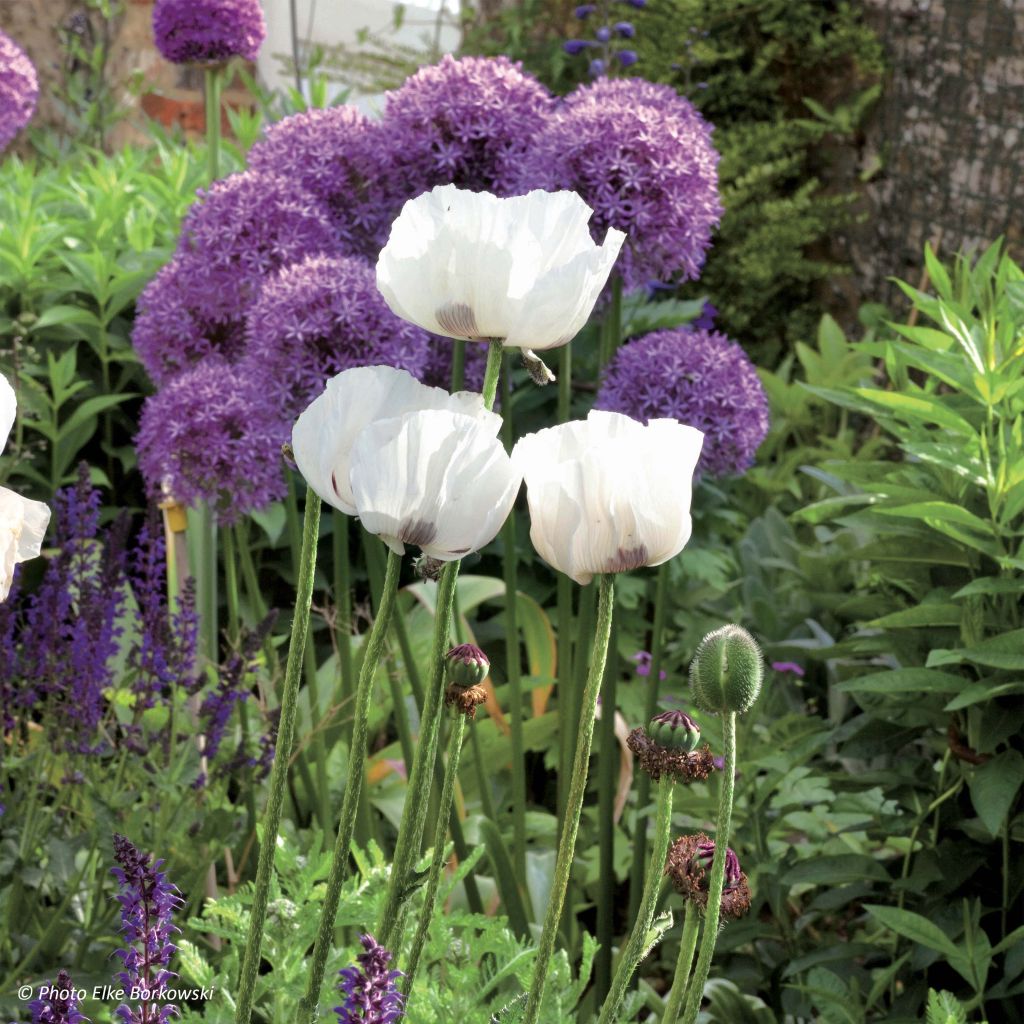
[(317, 318), (371, 995), (244, 228), (438, 372), (209, 437), (466, 122), (700, 378), (59, 1006), (148, 901), (641, 156), (170, 334), (208, 31), (340, 157), (788, 666), (643, 664), (19, 90)]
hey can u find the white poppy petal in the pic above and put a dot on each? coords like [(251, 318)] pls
[(23, 525), (8, 409), (434, 479)]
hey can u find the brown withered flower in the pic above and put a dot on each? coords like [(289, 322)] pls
[(689, 866), (668, 747)]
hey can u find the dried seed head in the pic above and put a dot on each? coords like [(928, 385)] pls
[(658, 758), (689, 866)]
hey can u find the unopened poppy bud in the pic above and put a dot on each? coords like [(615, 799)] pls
[(676, 730), (727, 671), (466, 666)]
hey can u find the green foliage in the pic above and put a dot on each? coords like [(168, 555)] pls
[(79, 239)]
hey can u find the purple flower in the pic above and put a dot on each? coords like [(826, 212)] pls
[(637, 3), (643, 664), (59, 1006), (603, 34), (208, 31), (371, 995), (597, 68), (700, 378), (788, 666), (19, 90), (625, 29), (317, 318), (339, 157), (584, 10), (170, 333), (575, 46), (148, 902), (641, 156), (627, 58), (208, 436), (438, 372), (466, 122), (243, 229), (706, 320)]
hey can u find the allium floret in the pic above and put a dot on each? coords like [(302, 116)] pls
[(641, 156), (700, 378), (243, 229), (340, 157), (171, 334), (319, 317), (208, 31), (465, 122), (148, 901), (371, 995), (208, 436), (19, 90)]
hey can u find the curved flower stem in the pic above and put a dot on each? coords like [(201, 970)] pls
[(355, 773), (451, 774), (681, 981), (574, 804), (634, 949), (414, 813), (643, 793), (282, 755), (707, 946)]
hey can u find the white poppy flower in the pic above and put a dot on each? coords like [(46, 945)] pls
[(22, 522), (438, 480), (324, 434), (608, 494), (470, 265)]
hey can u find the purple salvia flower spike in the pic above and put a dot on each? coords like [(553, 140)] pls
[(370, 990), (59, 1005)]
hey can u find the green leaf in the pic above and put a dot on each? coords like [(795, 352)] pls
[(991, 585), (905, 680), (929, 613), (917, 408), (1003, 651), (837, 869), (914, 927), (981, 692), (944, 511), (993, 787)]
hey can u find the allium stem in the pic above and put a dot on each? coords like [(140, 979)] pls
[(350, 803), (707, 946), (643, 794), (681, 981), (203, 531), (635, 947), (451, 774), (414, 813), (574, 804), (213, 88), (282, 755)]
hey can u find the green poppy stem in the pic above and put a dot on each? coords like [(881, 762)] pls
[(353, 787), (451, 774), (681, 981), (635, 947), (707, 946), (282, 755), (574, 804)]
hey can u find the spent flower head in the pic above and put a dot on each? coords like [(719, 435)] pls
[(688, 865), (668, 746)]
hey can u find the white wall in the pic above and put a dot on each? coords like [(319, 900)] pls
[(330, 22)]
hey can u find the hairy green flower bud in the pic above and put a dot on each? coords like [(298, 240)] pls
[(466, 666), (726, 671), (675, 729)]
